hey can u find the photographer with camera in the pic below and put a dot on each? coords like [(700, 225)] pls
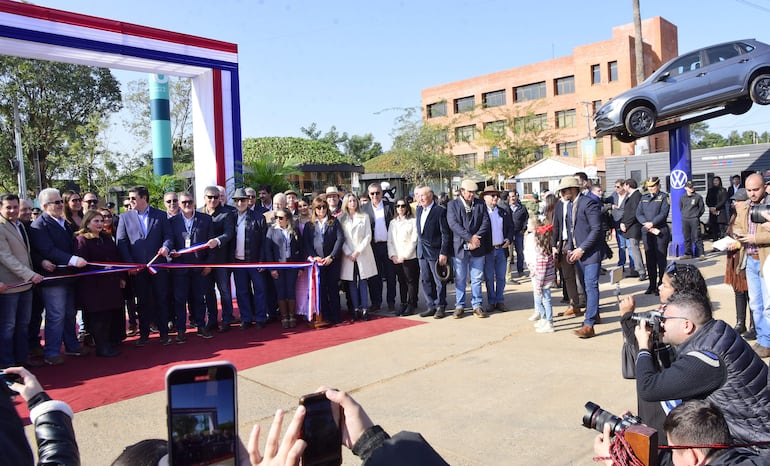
[(713, 363), (699, 434)]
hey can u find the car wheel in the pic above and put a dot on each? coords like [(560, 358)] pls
[(760, 89), (739, 107), (640, 121), (625, 137)]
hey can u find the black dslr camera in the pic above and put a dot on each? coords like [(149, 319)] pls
[(662, 352), (755, 212), (595, 418)]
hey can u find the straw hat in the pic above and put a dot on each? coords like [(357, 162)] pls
[(469, 185), (569, 182), (491, 190)]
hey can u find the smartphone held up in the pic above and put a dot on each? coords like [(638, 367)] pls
[(322, 431), (202, 414)]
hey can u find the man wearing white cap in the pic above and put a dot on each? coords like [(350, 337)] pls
[(469, 221)]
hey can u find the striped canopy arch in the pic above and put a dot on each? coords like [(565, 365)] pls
[(31, 31)]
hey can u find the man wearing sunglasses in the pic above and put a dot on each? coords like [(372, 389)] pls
[(380, 212), (53, 249), (713, 363)]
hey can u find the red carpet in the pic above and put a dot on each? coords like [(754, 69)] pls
[(90, 382)]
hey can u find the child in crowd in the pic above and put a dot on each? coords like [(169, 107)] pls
[(544, 276)]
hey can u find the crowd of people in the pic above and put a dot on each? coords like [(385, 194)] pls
[(370, 247)]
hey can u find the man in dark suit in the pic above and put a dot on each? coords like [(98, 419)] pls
[(520, 217), (495, 263), (468, 219), (143, 233), (249, 283), (221, 253), (632, 229), (735, 185), (380, 212), (53, 244), (434, 246), (187, 229), (582, 225)]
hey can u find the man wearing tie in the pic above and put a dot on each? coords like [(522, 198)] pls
[(577, 236), (15, 267), (144, 233)]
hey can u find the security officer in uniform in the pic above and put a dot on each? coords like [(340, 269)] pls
[(652, 213)]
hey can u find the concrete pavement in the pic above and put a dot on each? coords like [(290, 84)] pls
[(481, 391)]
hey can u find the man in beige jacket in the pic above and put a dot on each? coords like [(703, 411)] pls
[(15, 268)]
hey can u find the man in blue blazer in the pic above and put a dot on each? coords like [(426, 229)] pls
[(434, 246), (250, 290), (53, 244), (468, 219), (223, 224), (583, 227), (187, 229), (143, 232)]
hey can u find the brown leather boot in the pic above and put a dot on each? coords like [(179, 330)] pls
[(585, 331)]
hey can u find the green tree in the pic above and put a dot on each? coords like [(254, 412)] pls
[(299, 150), (421, 151), (137, 101), (268, 170), (518, 138), (358, 148), (156, 185), (55, 102)]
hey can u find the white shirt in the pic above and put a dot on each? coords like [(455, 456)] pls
[(380, 229), (424, 216)]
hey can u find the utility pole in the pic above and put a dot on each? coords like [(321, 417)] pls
[(19, 150)]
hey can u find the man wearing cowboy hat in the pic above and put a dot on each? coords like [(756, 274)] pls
[(468, 219), (495, 263), (652, 213), (578, 238)]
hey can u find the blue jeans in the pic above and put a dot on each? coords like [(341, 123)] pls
[(15, 312), (591, 280), (359, 293), (221, 277), (518, 246), (622, 248), (543, 305), (250, 294), (59, 302), (759, 301), (461, 266), (494, 274), (433, 289)]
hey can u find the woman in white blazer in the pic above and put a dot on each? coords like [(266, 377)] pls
[(358, 262), (402, 250)]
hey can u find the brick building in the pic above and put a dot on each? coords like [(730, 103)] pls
[(560, 95)]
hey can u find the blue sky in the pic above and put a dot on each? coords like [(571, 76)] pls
[(349, 63)]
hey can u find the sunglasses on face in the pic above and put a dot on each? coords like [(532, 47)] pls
[(375, 193), (321, 207), (92, 201), (280, 217), (400, 206), (58, 202), (212, 197), (186, 202)]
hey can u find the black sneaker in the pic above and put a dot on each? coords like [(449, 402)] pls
[(181, 339), (141, 342), (165, 341), (203, 332)]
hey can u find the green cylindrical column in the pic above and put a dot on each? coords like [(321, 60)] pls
[(160, 120)]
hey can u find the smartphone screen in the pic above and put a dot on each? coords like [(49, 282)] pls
[(202, 414), (321, 430)]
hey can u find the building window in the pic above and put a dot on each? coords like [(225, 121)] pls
[(465, 133), (565, 118), (596, 74), (600, 147), (530, 123), (465, 104), (567, 149), (595, 106), (540, 152), (468, 160), (496, 127), (613, 71), (494, 99), (437, 110), (544, 186), (530, 92), (565, 85)]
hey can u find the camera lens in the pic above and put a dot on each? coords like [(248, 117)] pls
[(595, 418), (756, 213)]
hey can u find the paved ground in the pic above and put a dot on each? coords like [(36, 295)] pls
[(482, 391)]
